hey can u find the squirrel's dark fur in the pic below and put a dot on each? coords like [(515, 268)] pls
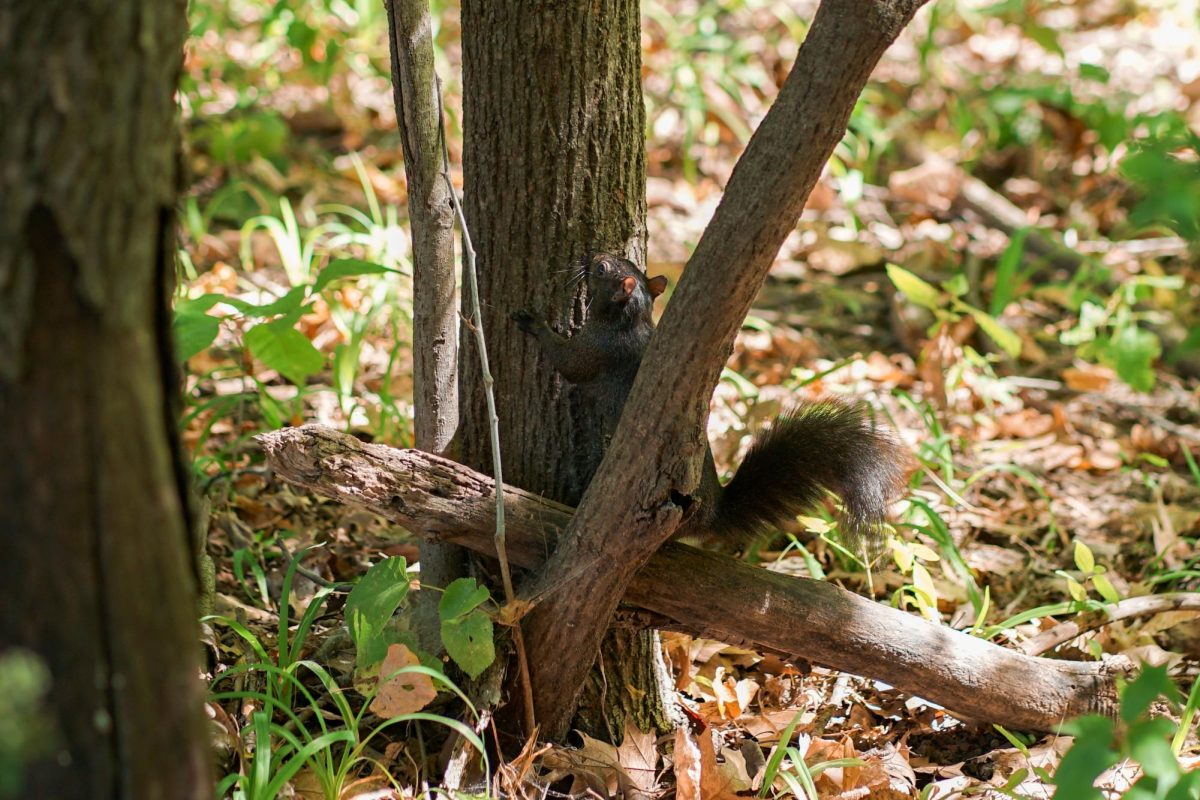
[(817, 446)]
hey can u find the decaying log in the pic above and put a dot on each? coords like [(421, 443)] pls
[(709, 594)]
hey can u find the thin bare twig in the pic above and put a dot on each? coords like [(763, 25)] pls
[(493, 420)]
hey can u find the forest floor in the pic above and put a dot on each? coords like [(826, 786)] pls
[(1033, 169)]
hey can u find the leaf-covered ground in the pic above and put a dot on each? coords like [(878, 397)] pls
[(999, 258)]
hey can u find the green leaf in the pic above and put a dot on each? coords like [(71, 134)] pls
[(1139, 695), (1084, 558), (285, 350), (1089, 756), (371, 604), (198, 305), (1149, 747), (468, 640), (193, 331), (923, 294), (997, 331), (1134, 351), (287, 305), (1006, 272), (957, 285), (1189, 346), (1046, 37), (348, 268), (461, 597), (1106, 589)]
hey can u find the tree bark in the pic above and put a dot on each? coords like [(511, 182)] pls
[(653, 463), (554, 168), (709, 594), (96, 562), (435, 314)]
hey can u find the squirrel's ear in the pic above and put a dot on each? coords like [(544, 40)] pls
[(628, 284), (657, 285)]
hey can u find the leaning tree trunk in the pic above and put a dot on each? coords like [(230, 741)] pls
[(94, 558), (554, 168)]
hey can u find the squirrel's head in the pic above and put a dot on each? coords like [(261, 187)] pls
[(618, 286)]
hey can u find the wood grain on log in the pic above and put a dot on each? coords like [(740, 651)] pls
[(706, 593)]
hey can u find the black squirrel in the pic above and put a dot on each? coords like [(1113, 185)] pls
[(816, 446)]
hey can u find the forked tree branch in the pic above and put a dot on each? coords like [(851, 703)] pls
[(709, 594), (645, 484)]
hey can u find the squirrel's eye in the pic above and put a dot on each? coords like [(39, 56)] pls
[(601, 267)]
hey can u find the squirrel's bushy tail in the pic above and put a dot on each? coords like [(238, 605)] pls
[(818, 446)]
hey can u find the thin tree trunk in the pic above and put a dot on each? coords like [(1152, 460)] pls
[(96, 563), (653, 463), (554, 168), (435, 314), (711, 595)]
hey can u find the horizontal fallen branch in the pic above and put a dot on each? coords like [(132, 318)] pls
[(709, 594), (1129, 608)]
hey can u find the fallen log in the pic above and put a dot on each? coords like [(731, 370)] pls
[(709, 594)]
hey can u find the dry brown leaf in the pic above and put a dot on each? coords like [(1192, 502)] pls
[(406, 692), (637, 757), (1087, 377), (594, 767), (1025, 424), (696, 773), (935, 183)]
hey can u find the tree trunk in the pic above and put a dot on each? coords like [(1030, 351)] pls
[(96, 558), (652, 467), (435, 315), (554, 168)]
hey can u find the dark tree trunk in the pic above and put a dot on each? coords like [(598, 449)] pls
[(651, 470), (95, 562), (554, 168)]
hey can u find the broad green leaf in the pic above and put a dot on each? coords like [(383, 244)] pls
[(957, 285), (1094, 72), (194, 331), (198, 305), (902, 554), (287, 305), (1089, 756), (924, 553), (1076, 590), (372, 602), (1134, 351), (285, 350), (1149, 746), (348, 268), (1139, 695), (1084, 558), (922, 293), (1046, 37), (1105, 588), (997, 331), (468, 641), (461, 597)]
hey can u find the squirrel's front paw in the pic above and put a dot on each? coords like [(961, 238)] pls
[(526, 321)]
